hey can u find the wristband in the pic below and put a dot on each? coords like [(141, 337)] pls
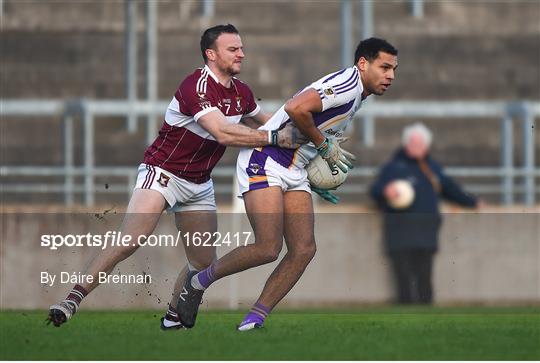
[(323, 147), (273, 137)]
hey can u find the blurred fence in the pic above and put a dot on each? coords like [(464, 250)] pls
[(86, 111)]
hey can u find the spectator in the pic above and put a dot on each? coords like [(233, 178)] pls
[(411, 232)]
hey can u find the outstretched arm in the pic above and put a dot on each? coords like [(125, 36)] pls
[(256, 121), (240, 135)]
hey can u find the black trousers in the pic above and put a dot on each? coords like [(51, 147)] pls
[(412, 270)]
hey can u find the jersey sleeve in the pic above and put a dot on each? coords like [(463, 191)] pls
[(195, 100), (338, 88)]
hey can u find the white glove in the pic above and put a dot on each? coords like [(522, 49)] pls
[(331, 151), (288, 137)]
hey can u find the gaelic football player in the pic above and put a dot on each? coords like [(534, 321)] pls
[(274, 185), (202, 118)]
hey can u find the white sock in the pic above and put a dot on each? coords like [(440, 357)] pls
[(196, 284)]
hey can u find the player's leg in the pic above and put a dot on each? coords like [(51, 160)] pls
[(142, 216), (264, 209), (171, 320), (265, 212), (301, 248), (204, 223)]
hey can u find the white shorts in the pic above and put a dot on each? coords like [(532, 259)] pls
[(256, 170), (180, 194)]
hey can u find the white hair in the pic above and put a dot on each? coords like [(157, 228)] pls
[(417, 128)]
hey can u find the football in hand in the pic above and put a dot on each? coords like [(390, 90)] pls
[(320, 174)]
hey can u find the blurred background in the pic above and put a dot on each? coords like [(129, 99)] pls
[(84, 86)]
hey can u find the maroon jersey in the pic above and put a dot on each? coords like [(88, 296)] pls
[(185, 148)]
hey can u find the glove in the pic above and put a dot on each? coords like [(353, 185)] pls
[(326, 195), (288, 137), (330, 151)]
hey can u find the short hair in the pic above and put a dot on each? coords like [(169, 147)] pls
[(419, 128), (208, 39), (370, 48)]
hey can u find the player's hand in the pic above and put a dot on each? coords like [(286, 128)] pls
[(348, 154), (326, 195), (289, 137), (331, 151)]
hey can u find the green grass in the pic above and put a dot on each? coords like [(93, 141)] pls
[(372, 334)]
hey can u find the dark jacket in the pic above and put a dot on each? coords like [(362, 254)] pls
[(418, 225)]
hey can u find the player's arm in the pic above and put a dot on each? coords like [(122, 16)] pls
[(261, 117), (240, 135), (301, 109), (257, 120)]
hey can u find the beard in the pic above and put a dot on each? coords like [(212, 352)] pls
[(230, 70), (377, 90)]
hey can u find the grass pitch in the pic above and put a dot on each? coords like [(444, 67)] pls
[(373, 334)]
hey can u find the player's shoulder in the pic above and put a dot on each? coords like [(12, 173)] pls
[(343, 84), (346, 75), (197, 76), (197, 83)]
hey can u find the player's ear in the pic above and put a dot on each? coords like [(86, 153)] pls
[(363, 64), (210, 54)]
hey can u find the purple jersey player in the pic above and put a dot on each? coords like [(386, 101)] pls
[(274, 185)]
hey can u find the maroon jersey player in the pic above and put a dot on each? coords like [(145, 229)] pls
[(184, 146)]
